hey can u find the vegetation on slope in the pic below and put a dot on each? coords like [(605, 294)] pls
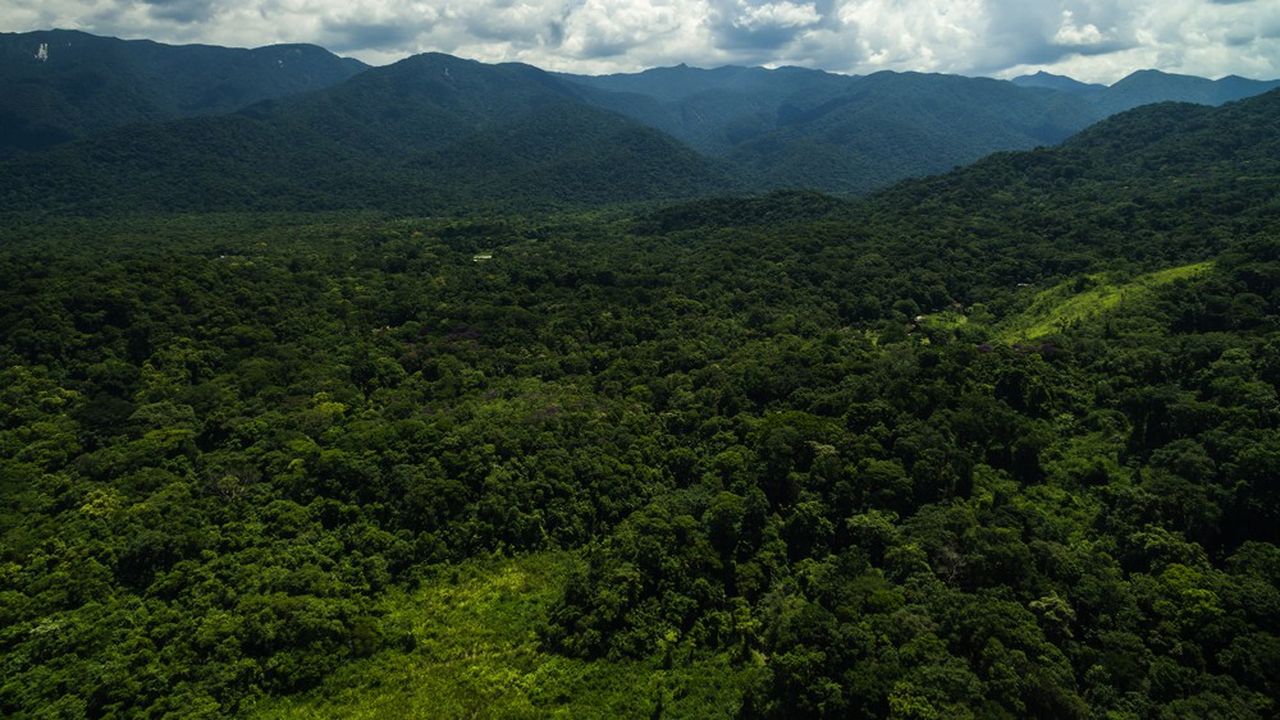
[(792, 127), (1086, 297), (238, 452), (472, 651), (424, 135), (433, 132), (84, 84)]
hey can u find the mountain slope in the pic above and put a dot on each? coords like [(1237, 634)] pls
[(1160, 148), (436, 131), (427, 133), (58, 85), (1160, 186), (895, 125), (712, 110), (792, 127), (1043, 79), (1151, 86)]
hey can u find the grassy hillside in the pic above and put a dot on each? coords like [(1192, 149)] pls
[(1088, 297)]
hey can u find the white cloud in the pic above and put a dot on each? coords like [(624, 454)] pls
[(1070, 34), (927, 35), (1097, 40), (780, 15), (601, 28)]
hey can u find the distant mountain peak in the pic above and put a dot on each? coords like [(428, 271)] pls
[(1044, 79), (1153, 75)]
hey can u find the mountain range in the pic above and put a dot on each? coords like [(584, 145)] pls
[(59, 85), (793, 127), (97, 124)]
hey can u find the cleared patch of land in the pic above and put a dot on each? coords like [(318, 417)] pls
[(476, 655), (1082, 299)]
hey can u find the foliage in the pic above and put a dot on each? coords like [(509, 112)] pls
[(105, 126), (475, 654), (1086, 297), (87, 84), (248, 456), (423, 135), (792, 127)]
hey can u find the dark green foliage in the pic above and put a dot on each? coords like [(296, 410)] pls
[(1058, 82), (1152, 86), (423, 135), (225, 438), (432, 133), (87, 84), (792, 127)]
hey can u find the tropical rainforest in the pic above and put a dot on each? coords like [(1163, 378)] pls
[(515, 424)]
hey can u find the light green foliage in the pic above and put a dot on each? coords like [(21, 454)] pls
[(477, 654), (1087, 297)]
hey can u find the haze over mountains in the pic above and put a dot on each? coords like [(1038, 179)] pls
[(81, 84), (141, 125), (427, 133), (793, 127)]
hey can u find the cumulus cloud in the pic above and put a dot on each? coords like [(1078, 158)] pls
[(603, 29), (781, 14), (1096, 40), (754, 31), (1069, 34)]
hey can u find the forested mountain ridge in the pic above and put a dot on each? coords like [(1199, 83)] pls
[(427, 133), (859, 141), (1171, 159), (1056, 82), (798, 128), (1151, 86), (58, 85), (1185, 139), (410, 138), (777, 457)]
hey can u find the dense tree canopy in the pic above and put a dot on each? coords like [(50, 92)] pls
[(998, 444)]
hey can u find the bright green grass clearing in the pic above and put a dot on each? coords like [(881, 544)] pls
[(477, 656), (946, 320), (1064, 305)]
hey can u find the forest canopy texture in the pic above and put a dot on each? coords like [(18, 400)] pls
[(1000, 443)]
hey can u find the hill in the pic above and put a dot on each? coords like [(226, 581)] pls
[(1165, 156), (712, 110), (1056, 82), (282, 128), (427, 133), (797, 128), (58, 85), (890, 126), (1151, 86)]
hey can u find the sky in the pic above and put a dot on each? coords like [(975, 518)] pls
[(1092, 40)]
